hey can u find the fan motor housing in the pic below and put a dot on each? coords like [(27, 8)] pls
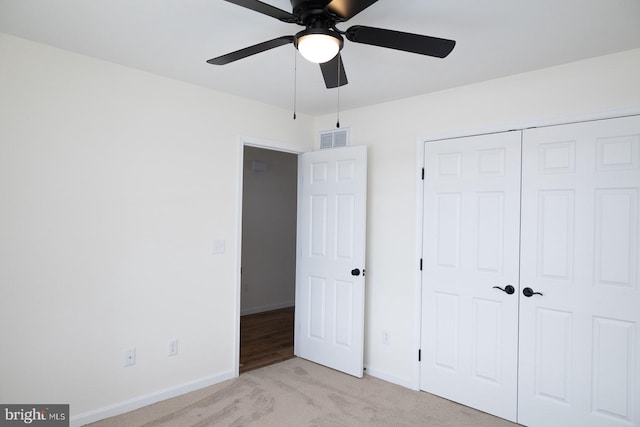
[(308, 11)]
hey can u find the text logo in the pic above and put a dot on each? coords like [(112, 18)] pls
[(35, 415)]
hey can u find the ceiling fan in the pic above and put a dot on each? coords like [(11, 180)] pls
[(321, 41)]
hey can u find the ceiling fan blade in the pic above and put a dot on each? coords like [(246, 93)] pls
[(408, 42), (346, 9), (251, 50), (266, 9), (333, 72)]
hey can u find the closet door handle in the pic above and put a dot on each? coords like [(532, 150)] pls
[(355, 272), (507, 289), (528, 292)]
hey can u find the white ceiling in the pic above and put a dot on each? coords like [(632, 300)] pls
[(174, 38)]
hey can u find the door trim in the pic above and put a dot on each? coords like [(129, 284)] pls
[(417, 297), (267, 145), (422, 139)]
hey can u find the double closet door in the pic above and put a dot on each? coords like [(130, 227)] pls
[(531, 293)]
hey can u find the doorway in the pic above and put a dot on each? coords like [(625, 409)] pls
[(268, 256)]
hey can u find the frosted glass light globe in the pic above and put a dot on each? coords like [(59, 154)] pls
[(318, 48)]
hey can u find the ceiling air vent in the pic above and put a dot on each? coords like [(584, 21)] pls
[(334, 139)]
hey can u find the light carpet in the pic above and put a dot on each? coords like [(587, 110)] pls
[(300, 393)]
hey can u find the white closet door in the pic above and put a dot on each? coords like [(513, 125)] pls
[(471, 245), (580, 339)]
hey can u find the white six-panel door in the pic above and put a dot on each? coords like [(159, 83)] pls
[(471, 247), (580, 339), (577, 337), (331, 258)]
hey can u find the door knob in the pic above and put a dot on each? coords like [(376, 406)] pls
[(507, 289), (528, 292), (355, 272)]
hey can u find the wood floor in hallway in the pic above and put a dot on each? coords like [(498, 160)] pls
[(266, 338)]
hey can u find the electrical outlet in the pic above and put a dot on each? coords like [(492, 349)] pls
[(386, 337), (172, 349), (130, 357)]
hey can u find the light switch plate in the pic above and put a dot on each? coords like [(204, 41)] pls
[(218, 246)]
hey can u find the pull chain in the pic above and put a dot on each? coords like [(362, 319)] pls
[(295, 82), (338, 113)]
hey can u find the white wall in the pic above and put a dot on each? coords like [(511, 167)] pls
[(269, 213), (391, 131), (113, 185)]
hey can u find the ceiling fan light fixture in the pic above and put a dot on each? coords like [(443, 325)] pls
[(318, 45)]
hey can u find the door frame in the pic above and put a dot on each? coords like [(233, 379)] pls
[(266, 144), (422, 139)]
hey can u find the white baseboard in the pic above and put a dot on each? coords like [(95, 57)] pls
[(403, 382), (269, 307), (147, 399)]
